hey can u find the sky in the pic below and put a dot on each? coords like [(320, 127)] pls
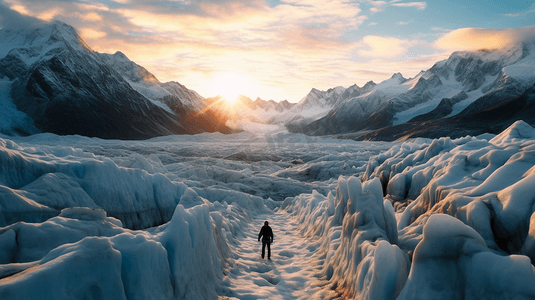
[(281, 49)]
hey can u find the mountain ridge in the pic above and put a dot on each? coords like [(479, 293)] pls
[(67, 88), (52, 81), (466, 83)]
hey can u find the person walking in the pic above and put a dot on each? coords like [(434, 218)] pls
[(267, 238)]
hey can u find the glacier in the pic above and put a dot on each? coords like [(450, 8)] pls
[(176, 217)]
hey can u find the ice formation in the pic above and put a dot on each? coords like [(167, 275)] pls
[(90, 255), (171, 217), (359, 233), (463, 215), (453, 262)]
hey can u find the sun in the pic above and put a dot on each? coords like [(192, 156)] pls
[(229, 86)]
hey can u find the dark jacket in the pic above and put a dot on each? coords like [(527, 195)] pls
[(266, 233)]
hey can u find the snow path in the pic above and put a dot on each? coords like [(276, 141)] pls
[(292, 272)]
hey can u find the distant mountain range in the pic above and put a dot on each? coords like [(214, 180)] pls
[(51, 81), (470, 93)]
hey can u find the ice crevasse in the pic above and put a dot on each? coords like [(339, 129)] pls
[(35, 185)]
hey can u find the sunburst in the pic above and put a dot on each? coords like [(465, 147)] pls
[(228, 86)]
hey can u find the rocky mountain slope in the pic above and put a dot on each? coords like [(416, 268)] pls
[(453, 98), (62, 86), (51, 81)]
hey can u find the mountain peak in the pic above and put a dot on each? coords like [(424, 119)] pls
[(63, 27), (58, 33), (30, 44), (127, 68), (120, 55), (370, 84), (398, 76)]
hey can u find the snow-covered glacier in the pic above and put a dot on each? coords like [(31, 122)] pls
[(73, 208), (170, 217)]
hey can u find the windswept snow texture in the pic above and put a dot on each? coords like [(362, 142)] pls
[(176, 217)]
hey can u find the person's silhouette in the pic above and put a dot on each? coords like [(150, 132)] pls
[(267, 238)]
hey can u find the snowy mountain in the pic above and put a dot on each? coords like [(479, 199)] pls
[(271, 105), (246, 111), (450, 99), (170, 93), (314, 105), (51, 77), (443, 98), (51, 81)]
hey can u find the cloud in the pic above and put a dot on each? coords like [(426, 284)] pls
[(404, 22), (377, 6), (418, 5), (92, 17), (296, 24), (385, 47), (10, 18), (89, 33), (522, 14), (480, 38), (284, 47), (440, 29)]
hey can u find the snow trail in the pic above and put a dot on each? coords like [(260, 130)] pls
[(292, 272)]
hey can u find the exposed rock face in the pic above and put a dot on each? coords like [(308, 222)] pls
[(450, 99), (491, 119), (66, 88)]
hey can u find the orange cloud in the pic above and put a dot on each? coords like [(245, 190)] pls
[(387, 47), (45, 15), (21, 9), (93, 17), (282, 50), (418, 5), (88, 33), (479, 38)]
